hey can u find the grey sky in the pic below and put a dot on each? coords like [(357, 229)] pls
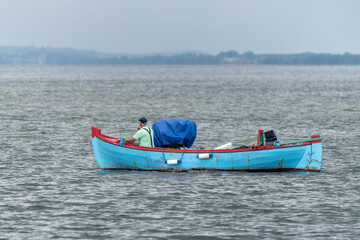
[(149, 26)]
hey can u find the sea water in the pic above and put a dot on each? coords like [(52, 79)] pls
[(51, 186)]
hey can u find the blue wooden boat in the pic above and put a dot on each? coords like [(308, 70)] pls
[(303, 155)]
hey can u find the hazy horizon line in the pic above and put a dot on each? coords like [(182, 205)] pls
[(169, 52)]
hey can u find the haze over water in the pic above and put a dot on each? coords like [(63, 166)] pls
[(51, 186)]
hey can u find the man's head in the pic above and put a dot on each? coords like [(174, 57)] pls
[(143, 121)]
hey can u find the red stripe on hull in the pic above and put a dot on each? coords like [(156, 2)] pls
[(97, 133)]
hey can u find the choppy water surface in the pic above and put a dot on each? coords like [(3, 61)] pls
[(51, 186)]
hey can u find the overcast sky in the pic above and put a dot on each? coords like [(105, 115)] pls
[(211, 26)]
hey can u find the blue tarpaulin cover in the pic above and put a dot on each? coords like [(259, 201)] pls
[(174, 131)]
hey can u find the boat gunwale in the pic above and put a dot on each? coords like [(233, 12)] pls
[(114, 141)]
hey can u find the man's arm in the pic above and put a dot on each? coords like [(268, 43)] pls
[(130, 140), (137, 136)]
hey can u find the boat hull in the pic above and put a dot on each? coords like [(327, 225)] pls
[(112, 156)]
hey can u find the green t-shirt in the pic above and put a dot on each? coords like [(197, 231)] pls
[(143, 137)]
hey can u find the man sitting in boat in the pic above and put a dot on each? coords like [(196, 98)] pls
[(144, 135)]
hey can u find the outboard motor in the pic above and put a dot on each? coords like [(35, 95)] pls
[(270, 138)]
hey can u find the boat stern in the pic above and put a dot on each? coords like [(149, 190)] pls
[(312, 161), (315, 160)]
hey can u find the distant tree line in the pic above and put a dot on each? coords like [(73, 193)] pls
[(66, 56)]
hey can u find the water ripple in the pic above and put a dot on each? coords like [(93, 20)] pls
[(52, 186)]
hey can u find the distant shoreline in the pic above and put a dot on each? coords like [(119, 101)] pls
[(12, 55)]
